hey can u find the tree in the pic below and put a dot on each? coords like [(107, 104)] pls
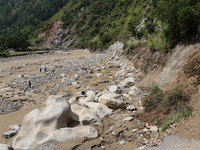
[(14, 41), (180, 17)]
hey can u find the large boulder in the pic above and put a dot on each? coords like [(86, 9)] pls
[(111, 100), (84, 115), (51, 124), (101, 109)]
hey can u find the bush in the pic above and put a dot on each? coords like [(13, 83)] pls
[(14, 42), (167, 107), (180, 17)]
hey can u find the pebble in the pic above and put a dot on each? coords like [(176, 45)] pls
[(134, 130), (128, 119), (15, 127), (132, 108), (122, 142), (153, 129)]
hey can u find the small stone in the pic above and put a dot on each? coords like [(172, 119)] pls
[(99, 75), (129, 82), (134, 130), (76, 85), (9, 134), (110, 130), (141, 108), (115, 89), (15, 127), (103, 140), (153, 129), (88, 76), (63, 75), (132, 108), (122, 142), (90, 93), (145, 130), (128, 119), (76, 77)]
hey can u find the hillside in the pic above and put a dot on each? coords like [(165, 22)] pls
[(97, 24), (100, 74)]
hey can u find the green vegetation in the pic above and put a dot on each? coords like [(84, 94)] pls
[(10, 54), (23, 17), (166, 108), (13, 42), (97, 24), (180, 19)]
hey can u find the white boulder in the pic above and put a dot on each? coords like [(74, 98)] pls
[(101, 109), (50, 124), (110, 100), (84, 115)]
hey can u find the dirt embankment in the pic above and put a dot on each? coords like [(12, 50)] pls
[(179, 67)]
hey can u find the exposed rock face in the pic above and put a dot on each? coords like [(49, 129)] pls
[(53, 34), (50, 124)]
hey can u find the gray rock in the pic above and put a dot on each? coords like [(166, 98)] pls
[(101, 109), (128, 82), (63, 75), (76, 85), (9, 134), (129, 119), (15, 127), (115, 89), (110, 100), (153, 128), (122, 142), (134, 130), (76, 77), (99, 75), (131, 108), (109, 130), (67, 95), (90, 94), (88, 76)]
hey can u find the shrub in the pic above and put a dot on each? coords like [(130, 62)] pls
[(167, 107), (180, 17)]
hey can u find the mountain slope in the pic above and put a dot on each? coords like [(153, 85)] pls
[(98, 24)]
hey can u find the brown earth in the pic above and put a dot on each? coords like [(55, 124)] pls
[(180, 67), (52, 31)]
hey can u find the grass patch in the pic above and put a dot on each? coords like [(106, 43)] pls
[(4, 54), (164, 108), (9, 54), (174, 117)]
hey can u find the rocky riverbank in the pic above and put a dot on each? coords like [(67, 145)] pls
[(83, 101), (104, 85)]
